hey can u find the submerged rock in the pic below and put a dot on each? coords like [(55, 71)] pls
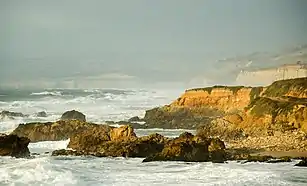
[(12, 145), (73, 114), (9, 114), (302, 163), (41, 114), (135, 119)]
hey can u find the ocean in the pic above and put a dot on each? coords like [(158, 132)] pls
[(100, 105)]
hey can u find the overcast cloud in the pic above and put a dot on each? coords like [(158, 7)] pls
[(150, 40)]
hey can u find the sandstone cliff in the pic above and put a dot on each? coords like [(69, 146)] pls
[(237, 111)]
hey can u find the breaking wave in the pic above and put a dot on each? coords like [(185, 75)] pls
[(47, 93)]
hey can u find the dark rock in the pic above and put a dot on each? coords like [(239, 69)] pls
[(280, 160), (42, 114), (175, 118), (53, 131), (133, 125), (190, 148), (12, 114), (222, 128), (135, 119), (73, 115), (258, 158), (12, 145), (34, 154), (115, 142), (122, 142), (302, 163)]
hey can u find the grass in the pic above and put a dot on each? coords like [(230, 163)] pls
[(262, 105), (281, 88), (255, 92), (234, 89)]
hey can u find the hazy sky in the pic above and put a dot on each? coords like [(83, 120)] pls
[(149, 39)]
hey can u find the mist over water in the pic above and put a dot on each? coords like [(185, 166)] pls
[(99, 105)]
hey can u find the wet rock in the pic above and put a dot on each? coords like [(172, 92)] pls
[(12, 145), (302, 163), (73, 115), (189, 148), (132, 124), (135, 119), (280, 160), (115, 142), (64, 152), (258, 158), (11, 114), (52, 131), (178, 118), (122, 142), (41, 114)]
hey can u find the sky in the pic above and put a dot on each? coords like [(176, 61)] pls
[(145, 41)]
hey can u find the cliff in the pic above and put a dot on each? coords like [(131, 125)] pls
[(226, 99), (237, 111)]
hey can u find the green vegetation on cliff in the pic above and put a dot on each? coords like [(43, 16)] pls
[(281, 88), (255, 92), (262, 105), (234, 89)]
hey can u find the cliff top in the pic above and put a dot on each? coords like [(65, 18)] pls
[(209, 89)]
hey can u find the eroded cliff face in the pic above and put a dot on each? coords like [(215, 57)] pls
[(226, 99), (279, 107)]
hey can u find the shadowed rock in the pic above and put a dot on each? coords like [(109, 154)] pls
[(73, 114), (12, 145), (122, 142), (41, 114), (302, 163), (9, 114), (135, 119)]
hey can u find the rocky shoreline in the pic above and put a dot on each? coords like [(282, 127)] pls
[(233, 123)]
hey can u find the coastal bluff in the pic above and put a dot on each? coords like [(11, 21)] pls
[(237, 111)]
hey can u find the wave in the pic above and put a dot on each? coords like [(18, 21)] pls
[(47, 93)]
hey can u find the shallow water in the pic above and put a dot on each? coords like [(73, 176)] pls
[(46, 170)]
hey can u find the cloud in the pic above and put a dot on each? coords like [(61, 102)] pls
[(111, 76)]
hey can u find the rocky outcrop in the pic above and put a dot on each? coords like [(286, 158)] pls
[(302, 163), (135, 119), (237, 112), (11, 114), (179, 117), (73, 114), (12, 145), (190, 148), (134, 125), (223, 98), (122, 142), (41, 114), (201, 106), (52, 131)]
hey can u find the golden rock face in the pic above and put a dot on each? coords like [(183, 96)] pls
[(220, 98), (282, 106)]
